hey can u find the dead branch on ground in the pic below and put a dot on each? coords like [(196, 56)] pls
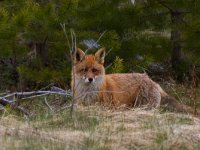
[(14, 99)]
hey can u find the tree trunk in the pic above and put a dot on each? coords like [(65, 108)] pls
[(41, 50), (177, 56)]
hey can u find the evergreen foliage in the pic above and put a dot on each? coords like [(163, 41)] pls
[(118, 66), (34, 51)]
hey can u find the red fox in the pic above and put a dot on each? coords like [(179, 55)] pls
[(90, 84)]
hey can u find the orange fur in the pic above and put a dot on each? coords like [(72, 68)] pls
[(130, 89)]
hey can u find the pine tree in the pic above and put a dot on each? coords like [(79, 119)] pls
[(34, 48), (180, 14), (33, 40)]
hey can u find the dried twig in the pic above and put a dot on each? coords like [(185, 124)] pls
[(86, 51), (51, 84), (37, 92), (63, 108), (109, 51), (54, 90), (73, 53), (108, 66), (72, 48), (65, 33), (45, 100)]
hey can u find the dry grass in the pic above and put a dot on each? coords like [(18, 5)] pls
[(185, 93), (98, 128)]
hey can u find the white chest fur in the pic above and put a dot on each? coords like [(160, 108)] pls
[(87, 93)]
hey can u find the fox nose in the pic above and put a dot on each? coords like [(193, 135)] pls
[(90, 79)]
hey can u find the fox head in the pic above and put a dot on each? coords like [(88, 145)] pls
[(89, 69)]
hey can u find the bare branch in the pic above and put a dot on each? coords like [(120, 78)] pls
[(65, 33), (51, 84), (86, 51), (31, 97), (172, 10), (108, 66), (64, 107), (5, 102), (45, 100), (72, 48), (39, 93), (11, 101), (73, 70), (109, 51), (165, 5)]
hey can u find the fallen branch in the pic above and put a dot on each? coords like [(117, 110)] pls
[(13, 99), (37, 92), (6, 102)]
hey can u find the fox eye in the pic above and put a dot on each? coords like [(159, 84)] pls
[(94, 70)]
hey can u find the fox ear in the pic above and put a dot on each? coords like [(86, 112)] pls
[(100, 55), (79, 55)]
